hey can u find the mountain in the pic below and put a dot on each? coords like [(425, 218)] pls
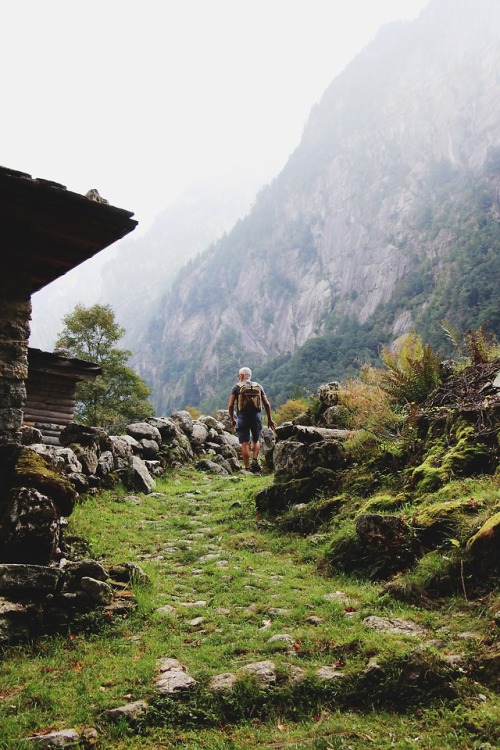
[(384, 220), (133, 274)]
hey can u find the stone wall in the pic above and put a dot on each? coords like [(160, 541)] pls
[(15, 312)]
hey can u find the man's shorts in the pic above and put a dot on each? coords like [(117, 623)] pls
[(247, 424)]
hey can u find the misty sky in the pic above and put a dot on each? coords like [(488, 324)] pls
[(139, 98)]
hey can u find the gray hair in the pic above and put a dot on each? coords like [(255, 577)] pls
[(246, 371)]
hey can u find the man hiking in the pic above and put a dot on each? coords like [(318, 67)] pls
[(249, 397)]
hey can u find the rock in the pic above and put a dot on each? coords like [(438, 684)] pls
[(307, 434), (315, 620), (138, 478), (134, 444), (16, 620), (150, 448), (483, 549), (35, 471), (294, 459), (128, 572), (199, 434), (63, 459), (166, 426), (282, 495), (173, 678), (167, 609), (105, 464), (185, 421), (264, 673), (222, 416), (223, 683), (100, 592), (87, 455), (211, 467), (94, 437), (386, 532), (396, 625), (64, 738), (282, 639), (144, 431), (30, 529), (131, 712), (30, 435), (75, 571), (328, 673), (122, 453)]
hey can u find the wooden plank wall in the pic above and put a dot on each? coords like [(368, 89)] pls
[(50, 404)]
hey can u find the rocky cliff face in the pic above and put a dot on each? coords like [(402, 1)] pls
[(345, 223)]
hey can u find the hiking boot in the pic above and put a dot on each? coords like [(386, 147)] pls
[(255, 467)]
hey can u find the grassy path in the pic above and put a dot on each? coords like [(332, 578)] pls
[(226, 590)]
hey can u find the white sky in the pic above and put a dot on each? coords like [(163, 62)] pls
[(140, 98)]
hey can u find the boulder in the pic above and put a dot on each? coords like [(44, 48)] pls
[(199, 434), (88, 456), (166, 426), (134, 444), (105, 464), (122, 453), (62, 459), (138, 477), (293, 459), (212, 467), (99, 592), (34, 471), (30, 529), (149, 449), (185, 421), (143, 431), (483, 549), (37, 580), (30, 435)]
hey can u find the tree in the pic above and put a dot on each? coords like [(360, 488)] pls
[(118, 396)]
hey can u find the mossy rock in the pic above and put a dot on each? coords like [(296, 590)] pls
[(439, 521), (467, 457), (308, 518), (354, 551), (33, 470), (379, 503), (483, 549), (433, 575)]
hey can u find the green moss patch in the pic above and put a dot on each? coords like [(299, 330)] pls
[(33, 470)]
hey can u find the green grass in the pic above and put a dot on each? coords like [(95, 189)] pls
[(260, 582)]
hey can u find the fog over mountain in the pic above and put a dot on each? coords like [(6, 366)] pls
[(384, 220), (135, 272)]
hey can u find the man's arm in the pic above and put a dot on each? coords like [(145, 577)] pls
[(230, 408), (267, 407)]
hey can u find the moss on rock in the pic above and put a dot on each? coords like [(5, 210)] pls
[(33, 470)]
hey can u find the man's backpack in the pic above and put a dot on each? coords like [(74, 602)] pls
[(249, 398)]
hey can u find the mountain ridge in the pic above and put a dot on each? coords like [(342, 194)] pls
[(351, 217)]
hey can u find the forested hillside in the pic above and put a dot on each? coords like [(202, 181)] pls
[(384, 220)]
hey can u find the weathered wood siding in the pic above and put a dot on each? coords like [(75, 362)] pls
[(50, 404)]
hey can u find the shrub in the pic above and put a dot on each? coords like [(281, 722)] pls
[(290, 409), (413, 370)]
